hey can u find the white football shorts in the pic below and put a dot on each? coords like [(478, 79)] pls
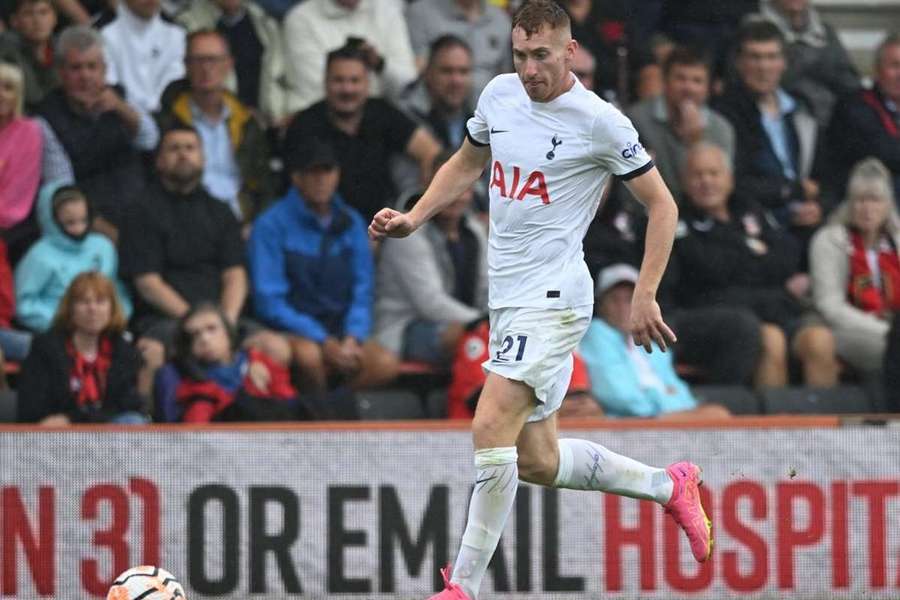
[(534, 346)]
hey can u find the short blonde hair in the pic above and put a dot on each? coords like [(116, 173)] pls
[(10, 73)]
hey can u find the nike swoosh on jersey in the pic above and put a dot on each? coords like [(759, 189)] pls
[(499, 130)]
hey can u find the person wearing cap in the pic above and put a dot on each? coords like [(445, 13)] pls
[(626, 380), (312, 276)]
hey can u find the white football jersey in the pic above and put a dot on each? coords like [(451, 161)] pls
[(549, 163)]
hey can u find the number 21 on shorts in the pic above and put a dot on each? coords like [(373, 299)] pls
[(502, 354)]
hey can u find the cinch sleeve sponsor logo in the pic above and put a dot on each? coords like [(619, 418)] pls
[(632, 150)]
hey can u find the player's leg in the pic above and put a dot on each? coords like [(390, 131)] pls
[(584, 465), (503, 407)]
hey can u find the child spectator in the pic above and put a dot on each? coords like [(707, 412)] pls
[(213, 379), (67, 248)]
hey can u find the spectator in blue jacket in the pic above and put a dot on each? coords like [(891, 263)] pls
[(312, 276), (626, 380), (67, 248)]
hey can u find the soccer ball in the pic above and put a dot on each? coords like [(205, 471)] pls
[(146, 583)]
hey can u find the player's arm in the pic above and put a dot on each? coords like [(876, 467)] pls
[(451, 180), (646, 319)]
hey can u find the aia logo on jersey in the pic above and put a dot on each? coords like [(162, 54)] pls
[(535, 185), (632, 150), (556, 142)]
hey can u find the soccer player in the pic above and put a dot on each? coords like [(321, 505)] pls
[(553, 144)]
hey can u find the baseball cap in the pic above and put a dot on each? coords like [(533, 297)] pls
[(313, 152), (613, 275)]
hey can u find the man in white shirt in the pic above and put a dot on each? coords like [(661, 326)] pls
[(314, 28), (143, 53), (552, 144)]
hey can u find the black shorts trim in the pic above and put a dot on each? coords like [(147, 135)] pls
[(473, 141), (637, 172)]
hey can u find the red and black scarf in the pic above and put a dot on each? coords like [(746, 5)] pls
[(861, 290), (87, 379)]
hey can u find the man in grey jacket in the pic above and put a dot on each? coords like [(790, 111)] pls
[(673, 122), (431, 284)]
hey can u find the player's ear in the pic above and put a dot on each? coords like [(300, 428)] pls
[(571, 47)]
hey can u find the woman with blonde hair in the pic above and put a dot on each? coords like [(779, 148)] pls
[(29, 151), (83, 369), (855, 267)]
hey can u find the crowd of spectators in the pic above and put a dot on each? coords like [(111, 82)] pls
[(185, 189)]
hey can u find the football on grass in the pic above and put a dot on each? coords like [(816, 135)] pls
[(145, 583)]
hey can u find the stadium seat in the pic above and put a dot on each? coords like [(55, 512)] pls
[(389, 404), (737, 399), (436, 404), (8, 406), (843, 399)]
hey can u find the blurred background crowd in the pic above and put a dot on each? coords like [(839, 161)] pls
[(185, 188)]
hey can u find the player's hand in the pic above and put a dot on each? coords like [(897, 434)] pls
[(647, 325), (391, 223)]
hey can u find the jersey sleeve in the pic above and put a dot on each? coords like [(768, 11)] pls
[(478, 132), (615, 144)]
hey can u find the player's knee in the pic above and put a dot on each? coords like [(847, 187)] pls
[(538, 467)]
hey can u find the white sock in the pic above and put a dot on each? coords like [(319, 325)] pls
[(496, 483), (584, 465)]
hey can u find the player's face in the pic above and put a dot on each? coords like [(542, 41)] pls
[(543, 61), (208, 63), (888, 72), (615, 306), (687, 83), (209, 338), (869, 212), (346, 86), (708, 180), (91, 313), (761, 65), (449, 77)]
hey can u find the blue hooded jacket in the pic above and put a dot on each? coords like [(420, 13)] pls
[(311, 279), (51, 264)]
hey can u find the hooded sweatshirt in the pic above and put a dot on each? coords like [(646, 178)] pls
[(51, 264)]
